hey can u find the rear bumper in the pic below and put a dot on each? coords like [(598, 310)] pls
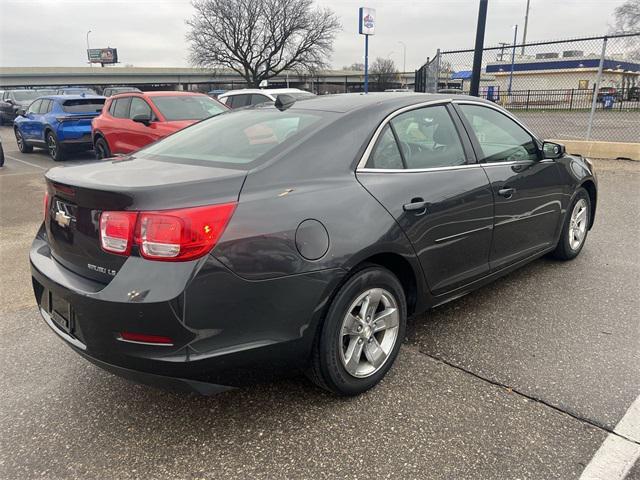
[(227, 332), (70, 134)]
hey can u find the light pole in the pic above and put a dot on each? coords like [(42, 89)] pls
[(404, 60), (513, 57), (524, 33), (88, 59)]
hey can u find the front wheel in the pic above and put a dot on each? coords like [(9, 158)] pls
[(362, 333), (22, 145), (575, 228), (54, 148)]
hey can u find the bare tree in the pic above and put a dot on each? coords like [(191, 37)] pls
[(356, 67), (260, 39), (627, 17), (384, 73)]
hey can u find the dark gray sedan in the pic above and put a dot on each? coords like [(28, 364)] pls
[(298, 236)]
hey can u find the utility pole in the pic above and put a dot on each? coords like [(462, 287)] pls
[(524, 33), (477, 55), (513, 56), (404, 61), (500, 56)]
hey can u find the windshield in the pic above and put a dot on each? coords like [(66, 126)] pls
[(25, 95), (238, 140), (187, 107), (83, 105)]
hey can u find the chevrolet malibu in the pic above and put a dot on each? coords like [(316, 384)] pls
[(298, 236)]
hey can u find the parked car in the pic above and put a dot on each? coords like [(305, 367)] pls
[(215, 93), (109, 91), (14, 100), (131, 121), (633, 94), (250, 96), (76, 91), (58, 123), (298, 237), (607, 92), (46, 91)]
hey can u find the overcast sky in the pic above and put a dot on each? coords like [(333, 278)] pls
[(151, 32)]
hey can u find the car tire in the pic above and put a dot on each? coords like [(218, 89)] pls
[(1, 155), (54, 148), (23, 146), (575, 227), (101, 149), (352, 354)]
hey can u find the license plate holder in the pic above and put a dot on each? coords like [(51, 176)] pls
[(61, 313)]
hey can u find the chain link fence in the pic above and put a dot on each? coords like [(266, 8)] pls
[(586, 88)]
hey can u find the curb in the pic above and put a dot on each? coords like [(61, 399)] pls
[(599, 149)]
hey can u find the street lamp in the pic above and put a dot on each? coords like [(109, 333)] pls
[(88, 59), (404, 60)]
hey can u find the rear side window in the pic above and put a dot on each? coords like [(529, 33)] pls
[(121, 110), (236, 140), (83, 105), (45, 106), (386, 153)]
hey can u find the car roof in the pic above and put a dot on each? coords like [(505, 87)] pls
[(69, 97), (348, 102), (160, 93), (272, 91)]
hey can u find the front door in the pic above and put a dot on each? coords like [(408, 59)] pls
[(527, 189), (136, 135), (427, 178), (28, 126)]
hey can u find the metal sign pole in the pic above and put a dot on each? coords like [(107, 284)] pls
[(596, 87), (366, 64)]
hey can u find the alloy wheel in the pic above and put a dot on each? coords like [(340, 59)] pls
[(578, 224), (52, 146), (19, 140), (369, 332)]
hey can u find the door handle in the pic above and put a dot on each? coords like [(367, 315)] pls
[(507, 192), (415, 205)]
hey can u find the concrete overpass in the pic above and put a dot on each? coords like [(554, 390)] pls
[(178, 78)]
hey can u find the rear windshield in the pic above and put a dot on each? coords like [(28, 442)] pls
[(187, 107), (239, 139), (82, 105), (25, 95), (78, 91)]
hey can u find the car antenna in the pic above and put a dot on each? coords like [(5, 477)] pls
[(284, 101)]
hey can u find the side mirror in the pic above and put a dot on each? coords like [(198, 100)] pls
[(10, 101), (142, 118), (552, 150), (21, 111)]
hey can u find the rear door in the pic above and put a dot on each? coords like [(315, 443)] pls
[(424, 173), (528, 190), (38, 126)]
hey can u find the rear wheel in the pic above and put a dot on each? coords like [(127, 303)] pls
[(54, 148), (362, 333), (22, 144), (575, 228), (102, 148)]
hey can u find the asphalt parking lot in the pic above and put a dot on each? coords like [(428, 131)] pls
[(525, 378)]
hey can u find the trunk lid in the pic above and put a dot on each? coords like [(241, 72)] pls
[(79, 194)]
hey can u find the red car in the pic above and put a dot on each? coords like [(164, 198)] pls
[(131, 120)]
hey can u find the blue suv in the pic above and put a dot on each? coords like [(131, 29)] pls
[(58, 123)]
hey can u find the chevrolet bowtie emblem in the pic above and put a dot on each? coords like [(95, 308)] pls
[(62, 219)]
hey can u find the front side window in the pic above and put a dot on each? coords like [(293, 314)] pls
[(25, 95), (500, 138), (34, 107), (257, 99), (121, 110), (428, 138), (139, 107), (238, 140), (238, 101), (187, 107)]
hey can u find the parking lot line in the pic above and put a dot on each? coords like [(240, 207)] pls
[(620, 450), (25, 162)]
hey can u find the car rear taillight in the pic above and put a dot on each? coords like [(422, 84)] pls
[(45, 205), (116, 231), (169, 235)]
